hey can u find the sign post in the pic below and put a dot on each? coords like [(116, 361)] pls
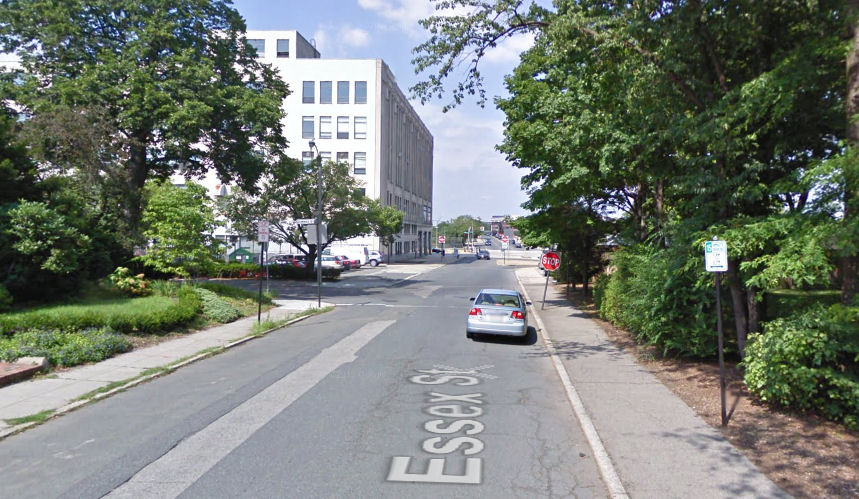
[(550, 261), (716, 261), (504, 241), (262, 238)]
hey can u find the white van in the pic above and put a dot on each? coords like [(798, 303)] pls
[(360, 253)]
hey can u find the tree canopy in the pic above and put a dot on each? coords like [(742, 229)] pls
[(177, 84)]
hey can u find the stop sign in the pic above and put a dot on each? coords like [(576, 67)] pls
[(441, 239), (551, 261), (504, 238)]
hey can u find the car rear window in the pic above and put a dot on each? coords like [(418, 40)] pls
[(498, 300)]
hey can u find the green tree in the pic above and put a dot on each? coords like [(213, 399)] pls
[(288, 193), (386, 222), (179, 221), (675, 115), (457, 229), (177, 83)]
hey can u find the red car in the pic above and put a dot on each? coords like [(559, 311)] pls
[(343, 262), (356, 264)]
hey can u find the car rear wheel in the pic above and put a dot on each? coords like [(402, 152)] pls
[(468, 335), (374, 263)]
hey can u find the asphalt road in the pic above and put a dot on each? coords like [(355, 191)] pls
[(382, 397)]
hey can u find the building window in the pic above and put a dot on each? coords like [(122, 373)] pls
[(362, 191), (360, 127), (325, 127), (342, 127), (360, 163), (325, 155), (283, 48), (360, 92), (307, 127), (325, 92), (342, 157), (306, 157), (342, 92), (258, 45), (308, 91)]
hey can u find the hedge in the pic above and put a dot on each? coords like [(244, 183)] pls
[(659, 297), (248, 270), (154, 314), (809, 361)]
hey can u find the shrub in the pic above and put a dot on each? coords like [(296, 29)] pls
[(215, 308), (600, 284), (126, 283), (809, 361), (65, 348), (5, 299), (658, 295)]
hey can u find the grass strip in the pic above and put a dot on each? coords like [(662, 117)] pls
[(39, 417)]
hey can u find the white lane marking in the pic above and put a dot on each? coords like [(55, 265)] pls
[(176, 470), (609, 475)]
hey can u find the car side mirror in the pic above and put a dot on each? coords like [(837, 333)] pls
[(471, 299), (527, 303)]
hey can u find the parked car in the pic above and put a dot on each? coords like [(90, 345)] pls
[(288, 260), (374, 258), (436, 250), (497, 311), (354, 263), (482, 254), (330, 262), (344, 262), (488, 242)]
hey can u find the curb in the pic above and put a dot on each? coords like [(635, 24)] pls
[(603, 460), (13, 430)]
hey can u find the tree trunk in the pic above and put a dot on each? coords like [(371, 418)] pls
[(739, 307), (659, 199), (139, 170), (754, 309), (850, 263)]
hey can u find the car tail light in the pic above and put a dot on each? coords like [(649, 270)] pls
[(517, 315), (475, 311)]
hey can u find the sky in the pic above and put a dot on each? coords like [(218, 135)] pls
[(470, 177)]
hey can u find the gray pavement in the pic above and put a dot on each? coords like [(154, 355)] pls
[(60, 391), (657, 445), (654, 445)]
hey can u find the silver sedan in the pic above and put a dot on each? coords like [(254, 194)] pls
[(498, 311)]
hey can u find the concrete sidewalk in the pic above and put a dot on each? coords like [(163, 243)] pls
[(59, 391), (656, 445)]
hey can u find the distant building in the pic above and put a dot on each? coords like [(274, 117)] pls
[(355, 112)]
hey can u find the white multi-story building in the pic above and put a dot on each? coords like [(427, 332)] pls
[(354, 112)]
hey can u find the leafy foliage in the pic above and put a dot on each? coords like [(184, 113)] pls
[(179, 86), (179, 222), (658, 296), (288, 192), (809, 360), (63, 347), (215, 308), (134, 285)]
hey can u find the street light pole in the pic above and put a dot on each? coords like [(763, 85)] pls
[(318, 225)]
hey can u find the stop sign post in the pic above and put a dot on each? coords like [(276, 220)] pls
[(550, 261)]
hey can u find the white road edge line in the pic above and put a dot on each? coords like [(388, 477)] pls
[(609, 475), (190, 459)]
